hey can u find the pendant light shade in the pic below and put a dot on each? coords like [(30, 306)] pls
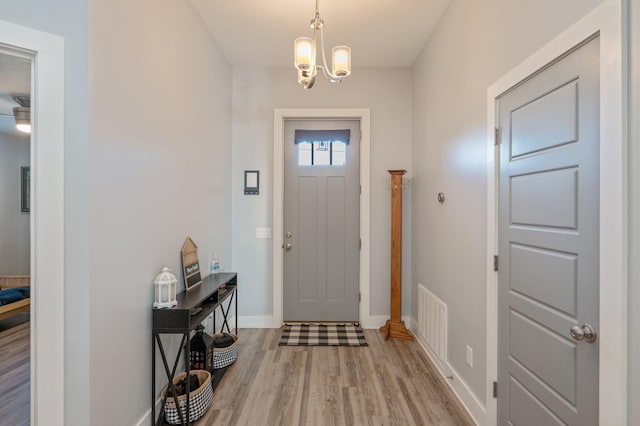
[(305, 53), (341, 61), (306, 60)]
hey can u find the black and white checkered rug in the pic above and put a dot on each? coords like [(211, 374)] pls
[(322, 335)]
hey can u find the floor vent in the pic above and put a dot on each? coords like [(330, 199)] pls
[(432, 322)]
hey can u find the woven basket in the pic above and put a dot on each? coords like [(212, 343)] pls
[(223, 357), (199, 399)]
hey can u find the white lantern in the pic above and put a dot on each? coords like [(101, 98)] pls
[(165, 289)]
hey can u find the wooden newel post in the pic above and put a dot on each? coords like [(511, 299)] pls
[(395, 326)]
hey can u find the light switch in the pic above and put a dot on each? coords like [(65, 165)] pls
[(263, 232)]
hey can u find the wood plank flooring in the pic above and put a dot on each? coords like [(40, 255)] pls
[(386, 383), (14, 374)]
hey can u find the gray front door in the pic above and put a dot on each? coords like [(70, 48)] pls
[(321, 220), (548, 244)]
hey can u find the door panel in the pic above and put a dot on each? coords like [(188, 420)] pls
[(307, 234), (558, 109), (548, 276), (548, 244), (336, 255), (527, 410), (321, 224), (545, 199), (538, 350)]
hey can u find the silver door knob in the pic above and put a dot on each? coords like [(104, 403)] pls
[(583, 332), (288, 247)]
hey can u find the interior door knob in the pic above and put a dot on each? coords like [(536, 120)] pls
[(288, 247), (583, 332)]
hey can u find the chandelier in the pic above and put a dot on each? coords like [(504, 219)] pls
[(305, 57)]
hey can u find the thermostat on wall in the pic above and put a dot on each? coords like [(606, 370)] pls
[(251, 182)]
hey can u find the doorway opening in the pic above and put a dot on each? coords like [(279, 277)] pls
[(46, 216), (15, 246), (280, 115), (604, 21)]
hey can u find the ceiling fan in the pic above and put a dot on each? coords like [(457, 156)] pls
[(22, 113)]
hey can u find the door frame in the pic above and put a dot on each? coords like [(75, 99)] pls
[(280, 115), (612, 336), (46, 52)]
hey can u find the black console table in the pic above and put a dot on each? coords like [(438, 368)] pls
[(215, 291)]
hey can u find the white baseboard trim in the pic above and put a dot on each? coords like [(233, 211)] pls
[(146, 419), (256, 321), (268, 321), (374, 321), (459, 387), (407, 321), (377, 321)]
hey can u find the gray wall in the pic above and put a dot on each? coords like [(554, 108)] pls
[(160, 105), (14, 225), (256, 93), (68, 19), (634, 217), (160, 170), (473, 46), (161, 71)]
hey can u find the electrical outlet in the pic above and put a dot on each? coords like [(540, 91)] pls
[(469, 356)]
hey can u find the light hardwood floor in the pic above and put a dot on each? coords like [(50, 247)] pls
[(387, 383), (14, 374)]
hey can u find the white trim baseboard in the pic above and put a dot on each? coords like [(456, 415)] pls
[(377, 321), (269, 321), (256, 321), (374, 321), (458, 386), (146, 418)]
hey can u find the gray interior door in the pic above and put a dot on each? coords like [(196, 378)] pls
[(548, 245), (321, 220)]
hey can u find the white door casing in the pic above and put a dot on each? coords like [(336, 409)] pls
[(363, 115), (605, 20), (46, 51)]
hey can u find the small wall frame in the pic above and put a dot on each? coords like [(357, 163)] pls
[(251, 182), (25, 189)]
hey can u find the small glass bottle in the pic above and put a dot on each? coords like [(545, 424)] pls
[(215, 264)]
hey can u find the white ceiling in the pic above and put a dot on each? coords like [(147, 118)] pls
[(381, 33), (15, 80)]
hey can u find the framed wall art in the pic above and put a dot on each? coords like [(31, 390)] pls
[(25, 189)]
